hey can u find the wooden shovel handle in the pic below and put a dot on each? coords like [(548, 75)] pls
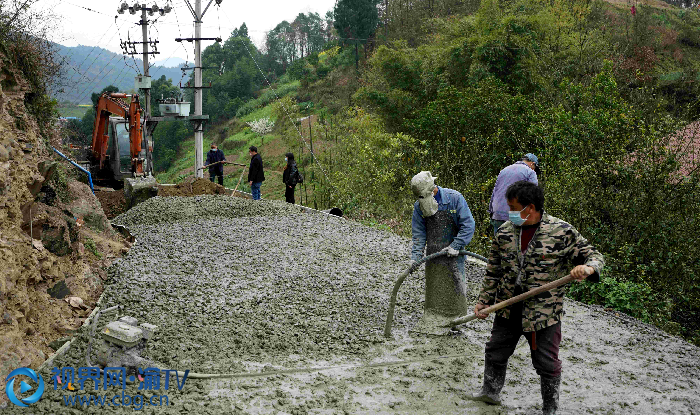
[(223, 161), (517, 298)]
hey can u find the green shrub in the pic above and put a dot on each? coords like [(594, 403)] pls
[(92, 247), (266, 98)]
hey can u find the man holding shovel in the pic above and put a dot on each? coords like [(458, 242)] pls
[(215, 161), (529, 251)]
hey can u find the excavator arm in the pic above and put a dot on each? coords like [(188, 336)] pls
[(113, 103)]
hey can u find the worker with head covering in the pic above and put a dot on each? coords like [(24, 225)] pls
[(441, 221), (525, 169)]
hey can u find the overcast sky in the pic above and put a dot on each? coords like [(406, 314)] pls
[(79, 26)]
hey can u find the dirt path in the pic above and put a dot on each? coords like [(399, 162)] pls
[(238, 286)]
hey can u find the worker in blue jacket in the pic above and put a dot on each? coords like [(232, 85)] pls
[(444, 212)]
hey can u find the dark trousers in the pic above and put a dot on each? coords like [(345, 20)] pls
[(289, 194), (544, 352), (219, 175)]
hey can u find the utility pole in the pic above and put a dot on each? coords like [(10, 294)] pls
[(144, 32), (144, 82), (198, 14), (198, 134)]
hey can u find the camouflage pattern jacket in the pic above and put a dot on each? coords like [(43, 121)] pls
[(555, 248)]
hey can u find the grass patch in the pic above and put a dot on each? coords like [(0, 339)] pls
[(73, 111), (92, 247)]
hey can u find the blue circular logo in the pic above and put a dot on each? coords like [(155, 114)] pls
[(24, 386)]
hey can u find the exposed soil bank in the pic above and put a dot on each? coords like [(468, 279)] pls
[(243, 286)]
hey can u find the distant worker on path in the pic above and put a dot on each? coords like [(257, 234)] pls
[(529, 251), (525, 169), (289, 177), (255, 172), (215, 155)]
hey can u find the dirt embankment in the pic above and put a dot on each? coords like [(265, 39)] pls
[(114, 203), (71, 239)]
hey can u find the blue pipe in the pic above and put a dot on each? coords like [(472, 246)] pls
[(78, 166)]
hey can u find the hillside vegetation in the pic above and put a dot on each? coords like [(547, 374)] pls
[(601, 91)]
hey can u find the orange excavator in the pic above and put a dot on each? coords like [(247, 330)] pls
[(117, 152)]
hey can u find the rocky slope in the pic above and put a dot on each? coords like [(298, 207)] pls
[(71, 235)]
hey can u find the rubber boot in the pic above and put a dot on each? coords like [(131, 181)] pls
[(550, 394), (494, 378)]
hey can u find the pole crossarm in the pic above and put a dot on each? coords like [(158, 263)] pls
[(191, 39)]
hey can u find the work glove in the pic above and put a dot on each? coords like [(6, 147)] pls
[(450, 251), (414, 265)]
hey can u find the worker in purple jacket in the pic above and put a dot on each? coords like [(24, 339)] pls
[(525, 169)]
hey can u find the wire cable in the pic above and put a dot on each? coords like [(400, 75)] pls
[(93, 84), (86, 8)]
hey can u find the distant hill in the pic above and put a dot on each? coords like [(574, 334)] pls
[(89, 69), (173, 62)]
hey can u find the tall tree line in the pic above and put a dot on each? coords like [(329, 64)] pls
[(287, 42)]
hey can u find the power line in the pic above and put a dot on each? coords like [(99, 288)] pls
[(90, 84), (94, 47), (86, 8), (94, 60)]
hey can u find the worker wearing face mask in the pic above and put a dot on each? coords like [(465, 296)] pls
[(530, 250), (441, 221)]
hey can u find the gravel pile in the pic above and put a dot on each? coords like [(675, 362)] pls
[(159, 209), (226, 289), (255, 288)]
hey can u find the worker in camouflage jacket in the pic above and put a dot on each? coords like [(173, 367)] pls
[(531, 250)]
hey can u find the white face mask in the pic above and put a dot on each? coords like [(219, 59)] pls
[(285, 159), (428, 205), (423, 185)]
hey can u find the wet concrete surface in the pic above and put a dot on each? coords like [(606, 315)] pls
[(239, 286)]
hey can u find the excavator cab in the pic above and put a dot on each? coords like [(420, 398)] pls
[(121, 159)]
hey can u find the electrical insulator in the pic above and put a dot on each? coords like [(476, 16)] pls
[(124, 7), (137, 6), (131, 10), (167, 8), (120, 11), (155, 8)]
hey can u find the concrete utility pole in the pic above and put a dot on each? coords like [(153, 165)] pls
[(197, 13), (144, 32), (198, 134)]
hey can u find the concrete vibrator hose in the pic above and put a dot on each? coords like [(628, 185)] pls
[(410, 270)]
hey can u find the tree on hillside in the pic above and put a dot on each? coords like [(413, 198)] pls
[(404, 19), (356, 21), (281, 44), (232, 72), (96, 95), (328, 26)]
